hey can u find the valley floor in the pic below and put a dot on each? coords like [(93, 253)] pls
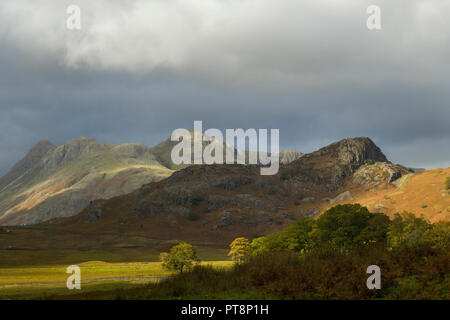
[(43, 282)]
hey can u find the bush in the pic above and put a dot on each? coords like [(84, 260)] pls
[(420, 272)]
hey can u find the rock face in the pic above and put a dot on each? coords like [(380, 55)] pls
[(345, 196), (331, 165), (378, 173), (380, 207)]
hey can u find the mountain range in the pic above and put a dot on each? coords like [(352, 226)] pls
[(206, 205), (59, 181)]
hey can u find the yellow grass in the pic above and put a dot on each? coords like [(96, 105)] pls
[(41, 281)]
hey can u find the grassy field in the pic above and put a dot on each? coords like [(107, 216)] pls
[(28, 293), (45, 281), (29, 249), (34, 266)]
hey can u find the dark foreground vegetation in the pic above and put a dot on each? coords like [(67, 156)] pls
[(325, 258)]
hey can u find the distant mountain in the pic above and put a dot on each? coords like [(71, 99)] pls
[(163, 151), (287, 156), (59, 181)]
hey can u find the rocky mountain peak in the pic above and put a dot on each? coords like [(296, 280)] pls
[(43, 144), (36, 153), (354, 151), (331, 165)]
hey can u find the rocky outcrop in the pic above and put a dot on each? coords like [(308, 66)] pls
[(345, 196), (311, 213), (224, 219), (330, 166), (380, 207), (379, 173)]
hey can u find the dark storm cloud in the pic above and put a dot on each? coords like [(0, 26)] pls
[(312, 70)]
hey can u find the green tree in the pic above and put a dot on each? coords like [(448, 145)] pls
[(407, 230), (259, 246), (375, 231), (345, 226), (447, 183), (270, 243), (297, 237), (240, 249), (180, 257)]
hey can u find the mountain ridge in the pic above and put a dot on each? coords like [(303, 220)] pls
[(61, 180), (58, 181)]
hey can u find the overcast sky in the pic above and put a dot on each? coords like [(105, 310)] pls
[(139, 69)]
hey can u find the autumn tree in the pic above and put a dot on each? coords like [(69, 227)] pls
[(180, 257), (240, 249)]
